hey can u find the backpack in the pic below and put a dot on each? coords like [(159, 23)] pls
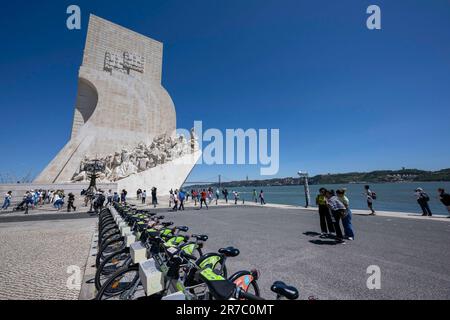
[(373, 195), (425, 197)]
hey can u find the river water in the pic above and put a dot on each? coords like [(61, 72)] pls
[(390, 196)]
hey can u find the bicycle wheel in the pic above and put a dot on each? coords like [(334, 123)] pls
[(109, 248), (111, 264), (246, 281), (109, 237), (123, 284)]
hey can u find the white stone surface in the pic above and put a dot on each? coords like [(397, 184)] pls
[(120, 103)]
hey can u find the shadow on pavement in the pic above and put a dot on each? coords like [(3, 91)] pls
[(311, 233), (324, 242)]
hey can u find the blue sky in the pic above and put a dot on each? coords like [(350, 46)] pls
[(344, 98)]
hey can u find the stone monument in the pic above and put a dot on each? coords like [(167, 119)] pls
[(123, 116)]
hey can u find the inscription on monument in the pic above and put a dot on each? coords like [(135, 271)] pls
[(124, 62)]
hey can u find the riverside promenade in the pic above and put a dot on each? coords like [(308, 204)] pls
[(280, 241)]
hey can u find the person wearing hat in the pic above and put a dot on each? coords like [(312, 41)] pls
[(422, 200)]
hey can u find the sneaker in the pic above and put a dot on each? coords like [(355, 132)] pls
[(350, 238), (340, 241), (322, 235)]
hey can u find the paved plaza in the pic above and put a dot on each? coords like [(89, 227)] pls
[(35, 256), (283, 245)]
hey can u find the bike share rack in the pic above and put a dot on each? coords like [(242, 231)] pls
[(151, 278)]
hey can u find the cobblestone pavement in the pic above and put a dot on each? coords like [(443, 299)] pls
[(35, 257)]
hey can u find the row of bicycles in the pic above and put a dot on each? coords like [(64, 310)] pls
[(174, 266)]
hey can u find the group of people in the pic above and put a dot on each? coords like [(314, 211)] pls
[(205, 197), (334, 208), (33, 198), (423, 199), (142, 195)]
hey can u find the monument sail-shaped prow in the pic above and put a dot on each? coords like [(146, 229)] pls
[(120, 102)]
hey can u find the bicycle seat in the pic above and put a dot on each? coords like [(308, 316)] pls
[(183, 228), (167, 223), (153, 234), (282, 289), (229, 251), (220, 288), (201, 237)]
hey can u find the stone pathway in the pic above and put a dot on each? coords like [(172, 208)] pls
[(36, 257)]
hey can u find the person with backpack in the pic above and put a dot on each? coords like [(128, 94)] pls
[(370, 195), (445, 199), (422, 200)]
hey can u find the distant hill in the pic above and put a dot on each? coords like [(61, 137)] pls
[(379, 176)]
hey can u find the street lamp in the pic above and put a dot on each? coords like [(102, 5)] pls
[(304, 175)]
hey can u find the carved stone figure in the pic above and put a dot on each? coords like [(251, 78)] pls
[(122, 164)]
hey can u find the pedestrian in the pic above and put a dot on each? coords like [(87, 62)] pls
[(217, 196), (422, 200), (338, 211), (445, 199), (170, 198), (181, 197), (28, 201), (154, 198), (116, 197), (175, 200), (109, 197), (123, 196), (255, 196), (370, 195), (210, 195), (225, 195), (326, 223), (236, 196), (203, 199), (99, 202), (194, 196), (261, 197), (138, 194), (7, 201), (347, 219), (143, 196), (70, 201), (58, 201)]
